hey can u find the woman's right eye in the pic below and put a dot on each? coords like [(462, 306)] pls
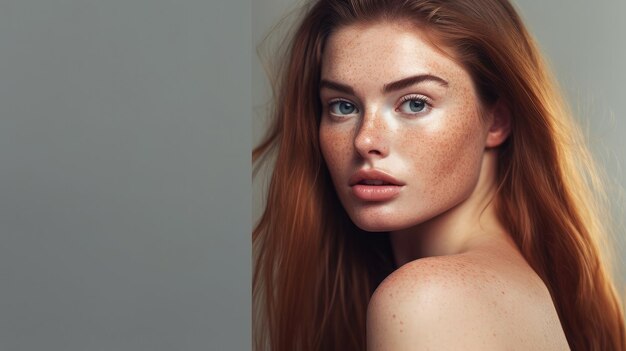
[(342, 108)]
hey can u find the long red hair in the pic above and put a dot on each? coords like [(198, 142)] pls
[(314, 270)]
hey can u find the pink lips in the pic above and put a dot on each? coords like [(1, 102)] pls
[(374, 185)]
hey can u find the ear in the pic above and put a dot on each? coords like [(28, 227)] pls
[(500, 121)]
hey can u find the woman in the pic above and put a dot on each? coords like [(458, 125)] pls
[(430, 190)]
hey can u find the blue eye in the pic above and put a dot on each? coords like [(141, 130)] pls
[(342, 107), (414, 104)]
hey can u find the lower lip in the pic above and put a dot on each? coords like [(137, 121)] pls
[(376, 192)]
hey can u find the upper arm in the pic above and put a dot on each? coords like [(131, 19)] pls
[(429, 305)]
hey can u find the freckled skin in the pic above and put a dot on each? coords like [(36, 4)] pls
[(457, 303), (461, 284), (437, 153)]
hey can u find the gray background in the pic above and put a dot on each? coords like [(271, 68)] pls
[(125, 175), (585, 46)]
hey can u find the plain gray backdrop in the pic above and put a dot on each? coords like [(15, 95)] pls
[(125, 175), (584, 44)]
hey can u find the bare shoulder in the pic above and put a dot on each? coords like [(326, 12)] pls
[(468, 302)]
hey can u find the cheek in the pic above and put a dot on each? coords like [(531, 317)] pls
[(458, 152), (450, 155), (335, 146)]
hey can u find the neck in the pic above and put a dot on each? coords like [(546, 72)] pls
[(468, 225)]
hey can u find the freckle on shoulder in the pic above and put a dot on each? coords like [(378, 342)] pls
[(449, 302), (442, 288), (427, 297), (432, 272)]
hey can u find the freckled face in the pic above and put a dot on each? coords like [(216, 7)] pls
[(392, 102)]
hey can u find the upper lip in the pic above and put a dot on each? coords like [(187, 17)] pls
[(373, 174)]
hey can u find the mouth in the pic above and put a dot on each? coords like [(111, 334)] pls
[(373, 177), (374, 185), (374, 182)]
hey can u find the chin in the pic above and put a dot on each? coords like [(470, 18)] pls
[(373, 228), (389, 220), (376, 225)]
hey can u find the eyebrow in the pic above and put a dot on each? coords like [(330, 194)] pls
[(407, 82), (393, 86)]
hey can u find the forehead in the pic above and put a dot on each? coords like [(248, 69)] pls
[(384, 52)]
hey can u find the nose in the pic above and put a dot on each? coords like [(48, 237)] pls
[(371, 139)]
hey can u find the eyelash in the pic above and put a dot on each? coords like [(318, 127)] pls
[(423, 99), (336, 101)]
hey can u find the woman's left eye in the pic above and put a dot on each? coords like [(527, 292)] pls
[(413, 105)]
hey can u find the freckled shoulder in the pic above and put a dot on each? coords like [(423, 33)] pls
[(460, 302)]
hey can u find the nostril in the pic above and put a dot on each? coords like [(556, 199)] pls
[(370, 140)]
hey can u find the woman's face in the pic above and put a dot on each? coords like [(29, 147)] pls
[(397, 110)]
